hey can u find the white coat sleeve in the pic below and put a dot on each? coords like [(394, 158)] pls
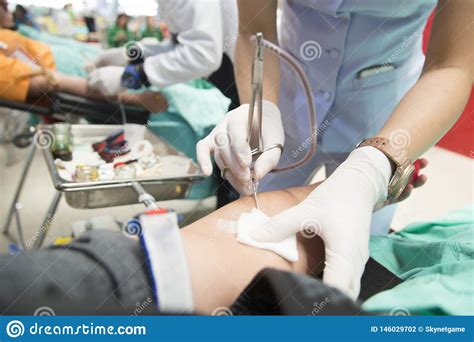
[(198, 53)]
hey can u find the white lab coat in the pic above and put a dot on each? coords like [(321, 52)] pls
[(205, 30)]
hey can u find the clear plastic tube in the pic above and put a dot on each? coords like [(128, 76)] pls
[(309, 97)]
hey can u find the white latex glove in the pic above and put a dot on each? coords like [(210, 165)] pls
[(228, 142), (115, 56), (339, 211), (108, 80)]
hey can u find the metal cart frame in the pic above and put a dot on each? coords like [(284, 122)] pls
[(99, 194)]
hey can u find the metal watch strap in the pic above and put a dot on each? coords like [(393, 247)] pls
[(404, 168), (395, 154)]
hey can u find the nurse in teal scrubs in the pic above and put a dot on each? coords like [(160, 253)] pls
[(371, 84)]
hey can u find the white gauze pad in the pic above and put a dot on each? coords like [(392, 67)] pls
[(255, 219)]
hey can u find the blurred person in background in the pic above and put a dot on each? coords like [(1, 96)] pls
[(89, 20), (22, 16), (69, 10), (151, 30), (6, 19), (119, 34), (65, 21), (89, 14), (164, 29), (199, 48), (28, 72)]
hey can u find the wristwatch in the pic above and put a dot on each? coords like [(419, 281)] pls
[(398, 156)]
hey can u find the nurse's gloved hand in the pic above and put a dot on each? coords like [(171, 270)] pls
[(107, 80), (115, 56), (228, 143), (339, 211)]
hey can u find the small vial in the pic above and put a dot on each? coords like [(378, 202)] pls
[(63, 142), (125, 171), (86, 173)]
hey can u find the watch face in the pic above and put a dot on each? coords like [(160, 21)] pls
[(400, 180)]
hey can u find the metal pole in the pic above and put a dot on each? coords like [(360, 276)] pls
[(48, 220), (15, 204)]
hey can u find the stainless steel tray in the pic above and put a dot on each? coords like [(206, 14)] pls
[(89, 195)]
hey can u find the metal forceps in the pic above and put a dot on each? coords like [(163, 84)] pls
[(256, 100)]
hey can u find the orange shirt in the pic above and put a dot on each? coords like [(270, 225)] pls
[(20, 58)]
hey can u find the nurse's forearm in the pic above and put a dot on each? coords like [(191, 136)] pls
[(428, 110), (256, 16), (435, 102)]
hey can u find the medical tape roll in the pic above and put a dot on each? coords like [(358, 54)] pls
[(169, 269), (142, 149)]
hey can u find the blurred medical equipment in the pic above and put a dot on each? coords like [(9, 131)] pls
[(256, 100), (60, 106), (166, 184)]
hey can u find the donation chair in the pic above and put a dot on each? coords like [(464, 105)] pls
[(99, 112)]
